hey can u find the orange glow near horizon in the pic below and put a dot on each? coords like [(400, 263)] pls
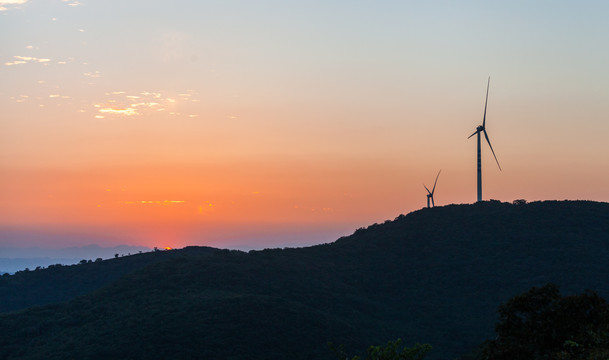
[(184, 205), (156, 203), (204, 127)]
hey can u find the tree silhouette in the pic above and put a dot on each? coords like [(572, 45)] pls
[(392, 351), (542, 324)]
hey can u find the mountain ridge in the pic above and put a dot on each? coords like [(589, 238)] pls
[(15, 259), (435, 276)]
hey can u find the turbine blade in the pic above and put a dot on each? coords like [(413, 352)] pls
[(491, 146), (426, 189), (473, 134), (486, 102), (432, 203), (434, 184)]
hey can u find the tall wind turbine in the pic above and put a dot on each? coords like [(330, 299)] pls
[(430, 193), (480, 129)]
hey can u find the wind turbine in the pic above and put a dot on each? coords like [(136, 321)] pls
[(480, 129), (430, 193)]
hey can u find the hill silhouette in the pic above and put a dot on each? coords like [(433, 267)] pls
[(434, 276), (58, 282)]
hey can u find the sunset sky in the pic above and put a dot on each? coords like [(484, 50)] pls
[(251, 124)]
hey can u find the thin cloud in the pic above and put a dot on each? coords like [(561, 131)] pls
[(11, 3), (95, 74), (25, 60), (72, 3), (30, 58), (143, 103), (20, 99), (14, 63), (125, 111)]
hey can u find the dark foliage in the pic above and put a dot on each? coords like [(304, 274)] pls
[(434, 276), (392, 351), (542, 324), (59, 282)]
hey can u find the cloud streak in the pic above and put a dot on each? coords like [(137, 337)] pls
[(72, 3), (5, 3), (25, 60), (126, 111), (142, 103)]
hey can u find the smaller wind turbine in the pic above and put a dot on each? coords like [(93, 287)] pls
[(430, 193)]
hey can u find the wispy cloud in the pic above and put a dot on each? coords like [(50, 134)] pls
[(94, 74), (56, 96), (29, 58), (20, 98), (146, 104), (114, 111), (17, 62), (10, 3), (25, 59), (72, 3), (143, 103)]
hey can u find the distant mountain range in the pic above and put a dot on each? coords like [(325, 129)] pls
[(433, 276), (13, 259)]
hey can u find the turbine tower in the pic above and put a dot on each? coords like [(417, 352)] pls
[(480, 129), (430, 193)]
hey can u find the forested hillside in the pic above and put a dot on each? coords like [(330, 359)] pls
[(58, 283), (433, 276)]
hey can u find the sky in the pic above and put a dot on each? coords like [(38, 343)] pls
[(250, 124)]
